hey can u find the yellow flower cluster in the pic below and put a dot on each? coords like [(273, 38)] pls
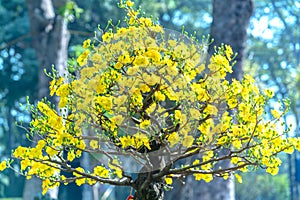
[(142, 89), (137, 141)]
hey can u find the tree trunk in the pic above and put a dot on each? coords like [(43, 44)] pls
[(148, 188), (230, 22), (50, 39), (229, 26)]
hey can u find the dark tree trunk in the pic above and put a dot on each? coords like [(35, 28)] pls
[(230, 22), (50, 39), (229, 26), (148, 188)]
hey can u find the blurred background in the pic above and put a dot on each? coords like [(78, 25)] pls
[(36, 34)]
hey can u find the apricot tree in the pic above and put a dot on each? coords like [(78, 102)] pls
[(143, 100)]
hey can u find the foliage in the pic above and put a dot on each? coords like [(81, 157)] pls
[(145, 93), (17, 70), (267, 187), (280, 71)]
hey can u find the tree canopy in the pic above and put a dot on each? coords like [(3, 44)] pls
[(144, 93)]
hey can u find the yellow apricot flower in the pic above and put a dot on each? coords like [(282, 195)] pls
[(238, 178), (272, 170), (3, 165), (269, 93), (129, 3), (141, 139), (188, 141), (104, 101), (101, 171), (145, 124), (126, 141), (94, 144), (275, 114), (173, 139), (106, 37), (141, 61), (168, 180), (228, 52), (54, 85), (86, 43), (82, 59)]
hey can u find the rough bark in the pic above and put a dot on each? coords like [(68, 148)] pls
[(229, 26), (148, 188), (50, 40)]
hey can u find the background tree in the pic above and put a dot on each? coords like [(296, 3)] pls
[(50, 39)]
